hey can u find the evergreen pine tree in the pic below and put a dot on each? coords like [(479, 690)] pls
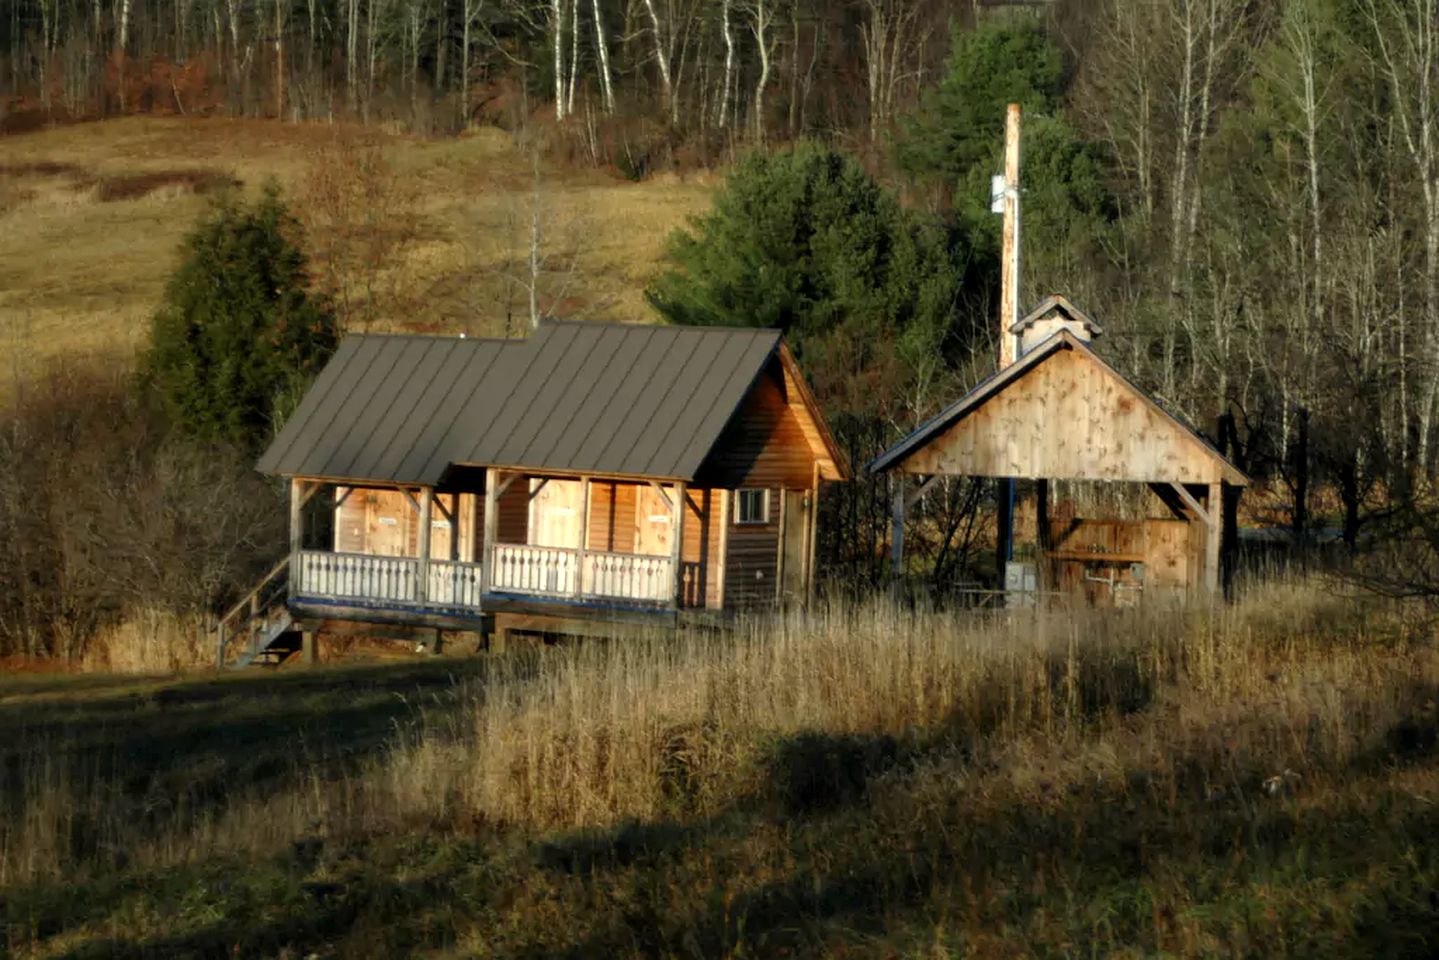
[(239, 335)]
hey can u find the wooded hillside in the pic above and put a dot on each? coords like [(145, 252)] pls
[(1248, 193)]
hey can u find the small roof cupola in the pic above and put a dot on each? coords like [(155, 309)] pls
[(1053, 314)]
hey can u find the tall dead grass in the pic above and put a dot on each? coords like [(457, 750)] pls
[(150, 640), (1291, 686)]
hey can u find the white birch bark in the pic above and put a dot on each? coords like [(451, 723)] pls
[(607, 89), (728, 62), (664, 47)]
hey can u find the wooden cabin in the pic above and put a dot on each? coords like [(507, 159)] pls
[(1060, 411), (589, 473)]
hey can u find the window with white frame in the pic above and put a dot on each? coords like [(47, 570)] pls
[(751, 506)]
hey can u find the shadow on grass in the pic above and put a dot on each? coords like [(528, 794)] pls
[(822, 858), (194, 744)]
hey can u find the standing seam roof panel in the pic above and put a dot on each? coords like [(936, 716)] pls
[(622, 400), (747, 372), (710, 389), (277, 453), (486, 397), (546, 352), (433, 380), (429, 457), (558, 438), (609, 419), (666, 372), (549, 404), (311, 442), (350, 452)]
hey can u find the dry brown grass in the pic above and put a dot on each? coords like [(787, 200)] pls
[(863, 779), (78, 272)]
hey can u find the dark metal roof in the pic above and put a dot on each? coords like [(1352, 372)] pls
[(612, 399), (995, 382)]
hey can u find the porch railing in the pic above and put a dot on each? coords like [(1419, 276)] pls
[(560, 572), (454, 584), (629, 576), (542, 571), (549, 571), (355, 576)]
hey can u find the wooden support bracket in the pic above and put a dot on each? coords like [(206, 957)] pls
[(921, 490), (1191, 502), (664, 496)]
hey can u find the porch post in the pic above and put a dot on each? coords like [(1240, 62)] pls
[(677, 542), (492, 520), (584, 536), (1213, 533), (297, 531), (422, 569)]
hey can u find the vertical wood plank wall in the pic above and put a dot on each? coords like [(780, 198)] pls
[(765, 446)]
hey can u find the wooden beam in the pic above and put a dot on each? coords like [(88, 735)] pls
[(664, 495), (780, 546), (340, 500), (1171, 500), (921, 490), (297, 525), (1041, 521), (492, 520), (677, 532), (504, 484), (1010, 249), (544, 482), (444, 512), (726, 499), (422, 571), (1188, 499), (313, 488), (1213, 536), (474, 533), (584, 533), (811, 533)]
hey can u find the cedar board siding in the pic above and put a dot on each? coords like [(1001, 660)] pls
[(612, 529), (753, 562), (1067, 417), (612, 516), (766, 445)]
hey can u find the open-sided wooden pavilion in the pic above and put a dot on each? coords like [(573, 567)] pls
[(591, 473), (1060, 411)]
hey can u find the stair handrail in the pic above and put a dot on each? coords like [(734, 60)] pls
[(253, 605)]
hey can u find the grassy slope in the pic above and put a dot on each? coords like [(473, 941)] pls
[(858, 786), (77, 273)]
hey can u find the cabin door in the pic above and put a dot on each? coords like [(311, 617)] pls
[(653, 523), (555, 513), (794, 542), (389, 527)]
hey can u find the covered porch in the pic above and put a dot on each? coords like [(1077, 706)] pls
[(489, 537)]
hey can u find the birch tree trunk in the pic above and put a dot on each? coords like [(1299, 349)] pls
[(122, 43), (1407, 36), (761, 17), (557, 31), (607, 89), (663, 43), (728, 62), (574, 56)]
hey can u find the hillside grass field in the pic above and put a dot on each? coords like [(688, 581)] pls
[(870, 781), (92, 217)]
